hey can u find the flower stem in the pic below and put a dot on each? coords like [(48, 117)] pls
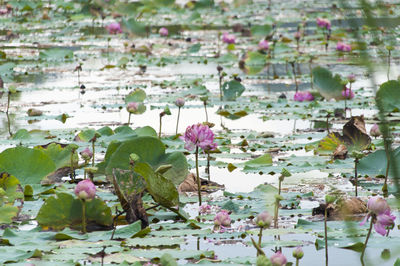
[(72, 173), (177, 120), (8, 117), (280, 185), (259, 240), (205, 109), (366, 240), (93, 153), (129, 119), (197, 173), (356, 175), (83, 216), (326, 234), (297, 262)]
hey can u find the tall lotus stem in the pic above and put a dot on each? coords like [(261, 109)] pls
[(220, 76), (72, 172), (259, 239), (366, 242), (326, 234), (384, 187), (389, 48), (129, 119), (83, 216), (159, 132), (93, 141), (8, 117), (205, 109), (278, 198), (197, 174), (208, 165), (294, 75), (356, 175), (177, 120)]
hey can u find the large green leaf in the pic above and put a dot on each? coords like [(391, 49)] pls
[(60, 155), (255, 62), (389, 95), (232, 90), (63, 210), (161, 189), (375, 163), (30, 166), (138, 95), (261, 30), (329, 86), (133, 26), (150, 150), (56, 54)]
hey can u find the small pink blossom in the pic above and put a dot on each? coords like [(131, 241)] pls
[(180, 102), (278, 259), (301, 96), (222, 219), (351, 78), (85, 190), (199, 135), (86, 154), (163, 32), (348, 93), (323, 23), (205, 209), (114, 28), (263, 45), (379, 212), (343, 47), (228, 38), (375, 131), (263, 219)]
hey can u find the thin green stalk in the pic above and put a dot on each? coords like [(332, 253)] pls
[(259, 240), (205, 109), (297, 262), (388, 71), (72, 173), (279, 186), (356, 175), (129, 119), (326, 234), (208, 165), (83, 216), (8, 117), (177, 120), (366, 240), (93, 153), (197, 174)]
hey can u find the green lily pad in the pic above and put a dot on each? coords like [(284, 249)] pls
[(329, 86), (63, 210), (30, 166), (389, 96), (232, 90)]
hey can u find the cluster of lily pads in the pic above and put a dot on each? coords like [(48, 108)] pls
[(162, 132)]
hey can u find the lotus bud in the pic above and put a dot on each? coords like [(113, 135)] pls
[(263, 45), (132, 107), (85, 190), (298, 253), (180, 102), (205, 209), (297, 35), (351, 78), (377, 205), (264, 220), (114, 28), (222, 219), (228, 38), (86, 154), (375, 132), (278, 259), (163, 32), (347, 93)]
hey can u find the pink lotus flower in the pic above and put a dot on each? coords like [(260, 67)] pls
[(301, 96), (263, 219), (114, 28), (163, 32), (351, 78), (375, 132), (379, 212), (86, 154), (298, 252), (180, 102), (85, 190), (323, 23), (278, 259), (263, 45), (199, 135), (342, 47), (222, 219), (132, 107), (228, 38), (347, 93), (205, 209)]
